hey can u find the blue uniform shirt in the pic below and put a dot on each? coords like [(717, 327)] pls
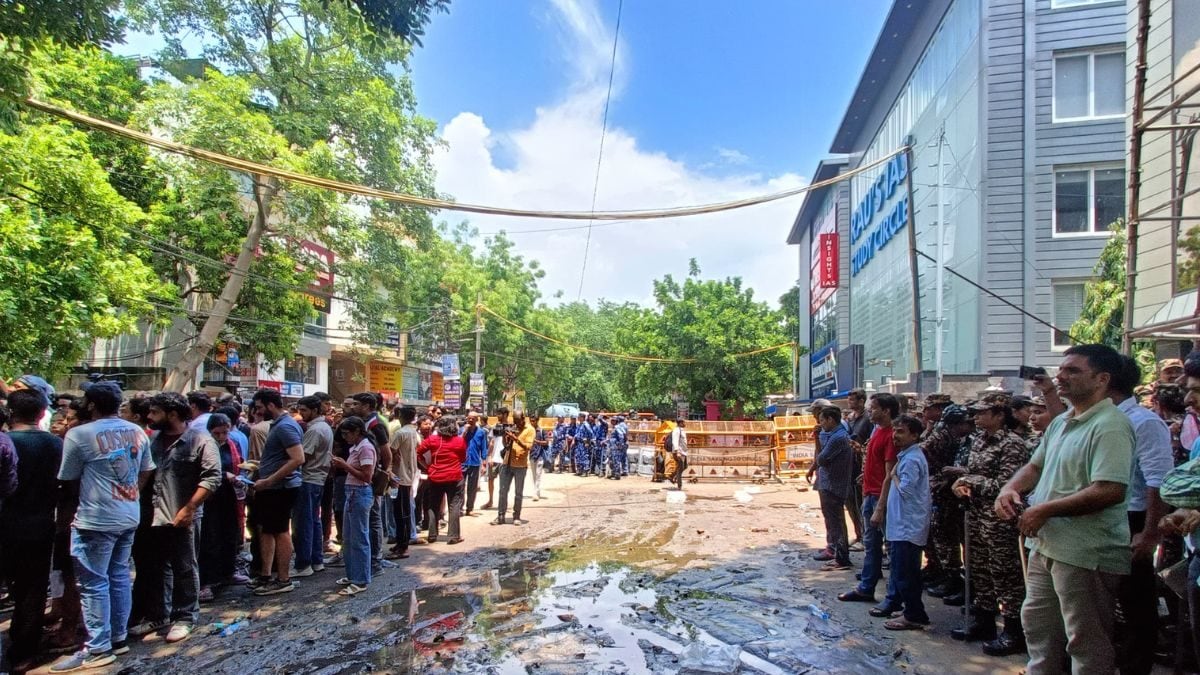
[(909, 502)]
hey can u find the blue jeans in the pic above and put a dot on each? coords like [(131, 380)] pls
[(872, 569), (307, 534), (105, 587), (906, 579), (356, 543)]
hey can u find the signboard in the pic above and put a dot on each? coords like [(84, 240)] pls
[(824, 372), (452, 394), (885, 208), (436, 386), (271, 384), (292, 389), (450, 367), (425, 384), (411, 389), (323, 259), (385, 376), (828, 264)]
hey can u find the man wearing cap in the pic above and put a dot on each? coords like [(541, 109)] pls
[(941, 445), (997, 452), (1169, 371), (110, 458)]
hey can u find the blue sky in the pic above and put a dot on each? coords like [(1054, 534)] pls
[(711, 101)]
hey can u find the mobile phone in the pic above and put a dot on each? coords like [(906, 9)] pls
[(1030, 372)]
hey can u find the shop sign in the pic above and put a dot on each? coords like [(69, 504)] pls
[(881, 198), (271, 384), (411, 389), (824, 371), (828, 270), (452, 394), (292, 389), (450, 367), (385, 376)]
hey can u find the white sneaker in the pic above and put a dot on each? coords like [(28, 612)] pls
[(318, 567), (179, 632), (303, 572)]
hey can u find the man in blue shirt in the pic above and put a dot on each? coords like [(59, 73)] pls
[(558, 443), (275, 492), (618, 450), (476, 438), (907, 523)]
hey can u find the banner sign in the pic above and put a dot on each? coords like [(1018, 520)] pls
[(271, 384), (450, 369), (452, 394), (824, 372), (385, 376), (828, 266)]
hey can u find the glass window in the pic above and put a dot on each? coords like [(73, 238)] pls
[(301, 369), (1068, 305), (1088, 200), (1059, 4), (1089, 85)]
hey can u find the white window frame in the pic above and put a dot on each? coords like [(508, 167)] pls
[(1069, 4), (1091, 169), (1053, 308), (1091, 53)]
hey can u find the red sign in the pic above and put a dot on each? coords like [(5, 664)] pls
[(828, 268), (270, 384)]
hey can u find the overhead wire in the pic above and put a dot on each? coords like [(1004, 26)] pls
[(612, 69), (622, 357), (344, 187)]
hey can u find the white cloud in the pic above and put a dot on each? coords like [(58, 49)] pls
[(553, 164)]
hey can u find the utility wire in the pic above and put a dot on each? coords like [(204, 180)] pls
[(612, 69), (256, 168)]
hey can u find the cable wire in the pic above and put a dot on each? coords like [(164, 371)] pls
[(247, 166), (612, 69)]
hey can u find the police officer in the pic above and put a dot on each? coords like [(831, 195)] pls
[(596, 447), (558, 443), (997, 452), (581, 445), (618, 450), (931, 414)]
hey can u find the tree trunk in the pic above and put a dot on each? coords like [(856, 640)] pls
[(183, 371)]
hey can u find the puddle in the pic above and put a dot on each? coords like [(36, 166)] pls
[(535, 617)]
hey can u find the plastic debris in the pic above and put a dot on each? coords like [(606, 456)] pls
[(743, 496), (676, 497), (702, 659), (234, 627), (818, 612)]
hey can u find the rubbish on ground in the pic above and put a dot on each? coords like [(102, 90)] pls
[(234, 627), (743, 496), (807, 528), (818, 612), (760, 529), (676, 497), (703, 659)]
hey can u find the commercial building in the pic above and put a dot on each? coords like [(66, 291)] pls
[(1015, 114), (1167, 261)]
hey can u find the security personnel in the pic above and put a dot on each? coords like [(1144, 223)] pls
[(618, 450), (941, 444), (558, 444), (997, 452), (581, 445), (596, 447)]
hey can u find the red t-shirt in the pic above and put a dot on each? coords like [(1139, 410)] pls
[(446, 458), (880, 450)]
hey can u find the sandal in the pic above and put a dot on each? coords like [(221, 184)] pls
[(903, 624), (352, 589), (882, 612), (456, 540), (344, 581)]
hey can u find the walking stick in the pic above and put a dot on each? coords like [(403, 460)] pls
[(967, 569)]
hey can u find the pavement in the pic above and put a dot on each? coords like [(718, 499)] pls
[(607, 576)]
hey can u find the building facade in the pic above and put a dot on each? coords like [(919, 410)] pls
[(1014, 112)]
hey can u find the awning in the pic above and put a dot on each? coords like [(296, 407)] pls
[(1178, 313)]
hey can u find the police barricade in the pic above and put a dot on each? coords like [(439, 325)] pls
[(795, 446), (729, 450)]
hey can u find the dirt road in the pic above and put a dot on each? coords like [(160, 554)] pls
[(607, 576)]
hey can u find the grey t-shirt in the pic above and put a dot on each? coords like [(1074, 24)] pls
[(285, 432), (318, 449), (106, 457)]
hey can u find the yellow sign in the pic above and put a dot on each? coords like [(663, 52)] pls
[(385, 377)]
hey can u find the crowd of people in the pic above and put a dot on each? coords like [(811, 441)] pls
[(1054, 513), (131, 511)]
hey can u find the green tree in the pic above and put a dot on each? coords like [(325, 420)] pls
[(309, 87), (1102, 320)]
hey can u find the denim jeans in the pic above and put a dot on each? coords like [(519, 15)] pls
[(102, 569), (471, 475), (872, 569), (307, 535), (356, 544), (508, 476), (389, 515), (906, 575)]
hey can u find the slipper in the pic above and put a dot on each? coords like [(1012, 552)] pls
[(456, 540), (881, 612), (855, 596), (903, 624), (352, 589), (344, 581)]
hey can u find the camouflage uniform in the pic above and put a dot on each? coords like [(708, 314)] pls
[(945, 532), (995, 560)]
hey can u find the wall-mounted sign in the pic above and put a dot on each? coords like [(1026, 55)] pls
[(828, 264), (824, 372), (886, 194), (450, 369), (452, 394), (323, 284), (271, 384), (385, 376)]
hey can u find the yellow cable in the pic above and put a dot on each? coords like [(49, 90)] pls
[(414, 200), (624, 357)]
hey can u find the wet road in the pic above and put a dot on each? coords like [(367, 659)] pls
[(607, 577)]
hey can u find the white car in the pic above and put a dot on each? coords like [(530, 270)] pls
[(563, 410)]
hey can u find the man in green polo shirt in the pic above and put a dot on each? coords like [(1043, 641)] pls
[(1076, 524)]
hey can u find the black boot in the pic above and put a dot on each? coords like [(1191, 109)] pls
[(955, 600), (980, 626), (952, 585), (1011, 641)]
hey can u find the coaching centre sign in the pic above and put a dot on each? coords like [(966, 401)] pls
[(882, 208)]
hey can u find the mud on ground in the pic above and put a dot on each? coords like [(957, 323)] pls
[(607, 577)]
